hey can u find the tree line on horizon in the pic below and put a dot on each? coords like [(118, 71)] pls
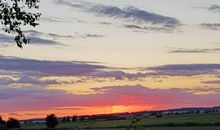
[(52, 120), (9, 124), (12, 123)]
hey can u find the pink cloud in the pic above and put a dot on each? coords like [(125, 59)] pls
[(38, 99)]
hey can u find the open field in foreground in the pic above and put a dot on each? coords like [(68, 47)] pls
[(169, 122)]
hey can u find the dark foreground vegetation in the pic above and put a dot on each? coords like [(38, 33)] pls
[(209, 121)]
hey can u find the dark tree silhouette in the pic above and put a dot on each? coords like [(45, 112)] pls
[(64, 119), (51, 121), (14, 14), (67, 119), (12, 123), (74, 118), (2, 122), (82, 118)]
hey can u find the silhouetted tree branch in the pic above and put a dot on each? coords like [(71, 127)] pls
[(17, 13)]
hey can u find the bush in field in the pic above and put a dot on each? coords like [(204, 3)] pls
[(82, 118), (51, 121), (67, 119), (158, 115), (134, 125), (64, 119), (2, 122), (13, 123), (74, 118)]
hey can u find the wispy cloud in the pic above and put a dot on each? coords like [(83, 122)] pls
[(215, 8), (33, 38), (47, 67), (6, 38), (212, 82), (41, 38), (211, 50), (186, 69), (61, 36), (53, 19), (135, 15), (212, 26), (128, 14), (148, 28), (92, 36)]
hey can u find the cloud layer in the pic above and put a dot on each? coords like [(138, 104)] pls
[(24, 87), (81, 68), (47, 67), (38, 98)]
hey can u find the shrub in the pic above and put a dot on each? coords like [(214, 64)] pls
[(2, 122), (12, 123), (51, 121)]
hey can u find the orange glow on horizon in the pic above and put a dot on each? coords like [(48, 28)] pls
[(69, 111)]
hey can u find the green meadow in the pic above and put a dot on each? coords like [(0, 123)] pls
[(169, 122)]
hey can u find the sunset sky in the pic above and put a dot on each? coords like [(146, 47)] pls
[(111, 56)]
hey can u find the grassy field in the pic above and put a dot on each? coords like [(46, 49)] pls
[(172, 122)]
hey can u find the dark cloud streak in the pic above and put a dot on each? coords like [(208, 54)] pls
[(185, 69), (47, 67), (212, 82), (211, 50), (215, 8), (128, 14), (34, 40), (211, 26)]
